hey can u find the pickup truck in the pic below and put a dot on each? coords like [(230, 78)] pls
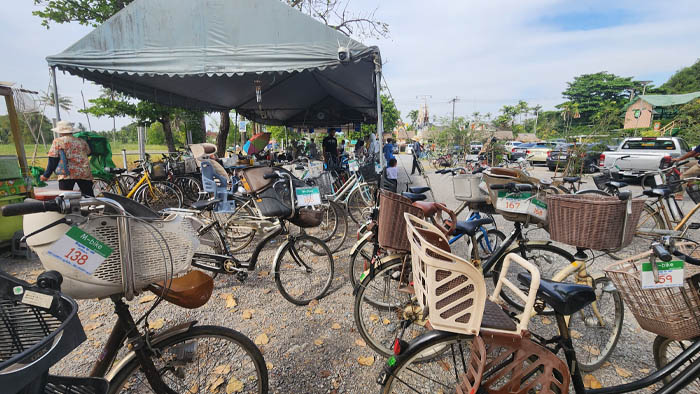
[(642, 154)]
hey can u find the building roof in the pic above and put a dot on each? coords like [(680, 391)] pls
[(503, 134), (527, 137), (666, 100)]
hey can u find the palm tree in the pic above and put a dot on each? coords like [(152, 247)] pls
[(65, 103), (536, 111)]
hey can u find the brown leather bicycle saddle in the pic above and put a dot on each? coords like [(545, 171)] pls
[(505, 171), (190, 291), (429, 208)]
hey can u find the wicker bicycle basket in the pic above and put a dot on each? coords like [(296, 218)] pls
[(592, 221), (392, 227), (673, 312)]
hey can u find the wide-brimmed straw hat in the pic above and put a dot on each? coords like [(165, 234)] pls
[(64, 127)]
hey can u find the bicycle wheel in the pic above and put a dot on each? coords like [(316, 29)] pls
[(381, 309), (361, 260), (650, 220), (191, 189), (300, 274), (159, 197), (210, 242), (597, 327), (447, 358), (124, 184), (333, 229), (665, 350), (194, 361), (100, 185), (360, 202), (238, 234), (485, 246)]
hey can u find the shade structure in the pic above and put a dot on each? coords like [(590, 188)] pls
[(257, 143), (269, 61)]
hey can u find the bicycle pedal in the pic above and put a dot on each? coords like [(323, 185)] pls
[(694, 226), (241, 276)]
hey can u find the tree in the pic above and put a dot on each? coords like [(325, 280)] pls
[(413, 115), (536, 111), (224, 129), (65, 103), (521, 108), (689, 119), (390, 118), (686, 80), (591, 92)]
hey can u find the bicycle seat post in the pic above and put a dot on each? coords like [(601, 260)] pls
[(580, 254)]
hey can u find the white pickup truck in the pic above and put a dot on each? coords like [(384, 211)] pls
[(642, 154)]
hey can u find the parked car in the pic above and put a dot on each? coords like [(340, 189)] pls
[(475, 147), (520, 151), (535, 152), (645, 154), (560, 155), (409, 149), (509, 146)]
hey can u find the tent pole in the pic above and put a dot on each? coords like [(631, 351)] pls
[(380, 122), (55, 94)]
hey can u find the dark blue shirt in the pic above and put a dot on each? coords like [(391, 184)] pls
[(697, 149), (388, 152)]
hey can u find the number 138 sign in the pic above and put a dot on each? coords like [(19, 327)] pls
[(80, 250)]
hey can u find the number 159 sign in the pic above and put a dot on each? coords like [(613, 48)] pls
[(80, 250)]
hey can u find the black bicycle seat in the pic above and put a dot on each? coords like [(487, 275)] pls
[(564, 298), (470, 227), (132, 207), (571, 179), (616, 184), (115, 171), (205, 205), (657, 192), (414, 196), (418, 189)]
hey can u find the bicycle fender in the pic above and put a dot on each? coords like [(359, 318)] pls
[(359, 242), (160, 337), (278, 255)]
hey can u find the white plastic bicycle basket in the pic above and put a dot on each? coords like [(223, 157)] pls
[(466, 188), (151, 251)]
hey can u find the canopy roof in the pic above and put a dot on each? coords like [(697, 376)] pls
[(211, 55), (666, 100)]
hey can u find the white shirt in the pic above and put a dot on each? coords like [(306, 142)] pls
[(392, 172)]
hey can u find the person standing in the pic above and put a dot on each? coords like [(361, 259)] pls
[(68, 157), (417, 149), (330, 149), (389, 150), (360, 149)]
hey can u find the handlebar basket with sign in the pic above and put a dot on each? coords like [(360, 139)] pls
[(524, 207), (668, 305), (89, 255), (158, 172), (392, 227), (593, 221), (466, 188), (369, 172), (324, 183)]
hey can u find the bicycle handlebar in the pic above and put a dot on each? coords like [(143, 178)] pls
[(25, 208), (661, 252)]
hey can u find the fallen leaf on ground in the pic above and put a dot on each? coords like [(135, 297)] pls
[(575, 334), (366, 361), (234, 386), (590, 382), (267, 291), (92, 326), (319, 311), (313, 303), (262, 339), (644, 370), (248, 314), (215, 385), (222, 369), (194, 389), (373, 317), (156, 325), (224, 296), (335, 326), (623, 373), (230, 301), (592, 350), (308, 313), (546, 321), (360, 342), (386, 322), (325, 373), (318, 342), (269, 365), (96, 315), (147, 298), (264, 273)]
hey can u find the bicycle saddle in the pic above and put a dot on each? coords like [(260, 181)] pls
[(571, 179), (188, 291), (616, 184), (505, 171), (428, 208), (657, 192), (470, 227), (414, 196), (132, 207), (206, 205), (564, 298), (115, 171), (419, 189)]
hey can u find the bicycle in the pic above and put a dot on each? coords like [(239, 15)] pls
[(303, 265), (526, 364), (170, 360)]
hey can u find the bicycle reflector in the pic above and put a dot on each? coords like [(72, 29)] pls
[(399, 345)]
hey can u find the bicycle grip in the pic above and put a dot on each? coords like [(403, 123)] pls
[(500, 186), (25, 208), (661, 252), (686, 258), (270, 175), (680, 163)]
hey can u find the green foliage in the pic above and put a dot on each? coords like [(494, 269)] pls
[(588, 94), (390, 118), (413, 115), (686, 80), (689, 119), (34, 120), (85, 12), (155, 135)]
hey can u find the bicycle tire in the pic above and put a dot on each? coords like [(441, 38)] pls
[(159, 197), (594, 191), (220, 358), (238, 237), (124, 183), (100, 185), (287, 263), (379, 321), (360, 261), (664, 350), (412, 374), (485, 250), (650, 213), (359, 202), (191, 188), (333, 229)]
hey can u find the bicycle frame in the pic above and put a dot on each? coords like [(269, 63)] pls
[(144, 178)]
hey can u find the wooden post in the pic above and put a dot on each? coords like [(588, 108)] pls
[(16, 135)]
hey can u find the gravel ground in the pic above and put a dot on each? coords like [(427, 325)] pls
[(314, 349)]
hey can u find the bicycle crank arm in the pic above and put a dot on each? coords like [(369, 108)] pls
[(217, 263)]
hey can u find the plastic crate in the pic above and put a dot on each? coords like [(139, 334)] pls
[(466, 188)]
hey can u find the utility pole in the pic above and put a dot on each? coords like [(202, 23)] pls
[(453, 101)]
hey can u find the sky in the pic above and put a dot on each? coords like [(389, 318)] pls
[(486, 53)]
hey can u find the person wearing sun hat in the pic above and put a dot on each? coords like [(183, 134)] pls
[(68, 157)]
